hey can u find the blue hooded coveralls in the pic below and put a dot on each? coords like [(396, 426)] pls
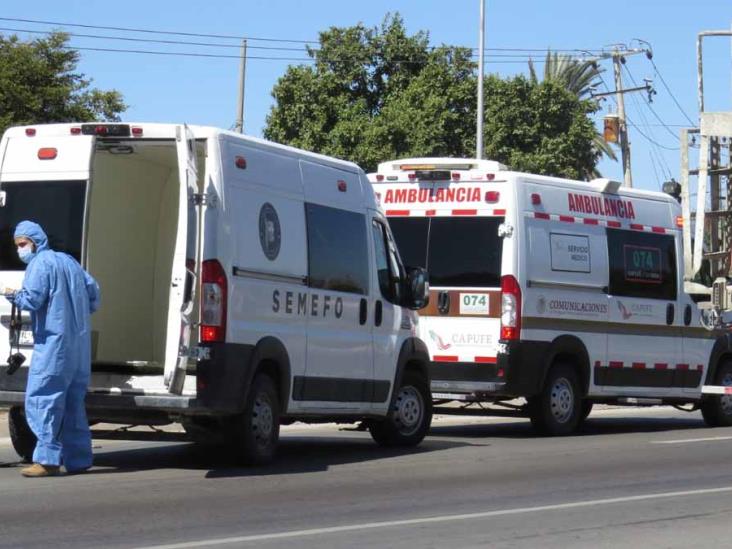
[(60, 296)]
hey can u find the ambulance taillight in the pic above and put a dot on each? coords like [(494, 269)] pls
[(510, 308), (213, 302)]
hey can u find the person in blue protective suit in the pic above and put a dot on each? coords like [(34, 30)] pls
[(60, 296)]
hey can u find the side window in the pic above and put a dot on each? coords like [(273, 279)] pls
[(641, 264), (337, 249), (387, 264)]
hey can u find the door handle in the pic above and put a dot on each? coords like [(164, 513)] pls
[(443, 302), (363, 312), (378, 313), (670, 314), (687, 315)]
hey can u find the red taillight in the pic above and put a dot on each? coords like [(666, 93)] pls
[(535, 199), (342, 186), (30, 132), (510, 308), (379, 177), (240, 162), (136, 131), (455, 176), (213, 302), (412, 176), (47, 153), (492, 196), (490, 176), (75, 130)]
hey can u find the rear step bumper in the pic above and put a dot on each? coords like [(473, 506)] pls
[(166, 403)]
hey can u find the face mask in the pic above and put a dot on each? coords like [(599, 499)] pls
[(25, 254)]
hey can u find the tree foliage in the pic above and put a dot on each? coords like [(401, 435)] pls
[(375, 94), (39, 83)]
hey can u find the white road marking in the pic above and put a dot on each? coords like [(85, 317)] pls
[(685, 440), (438, 519)]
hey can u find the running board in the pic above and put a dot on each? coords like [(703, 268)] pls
[(635, 401), (716, 390)]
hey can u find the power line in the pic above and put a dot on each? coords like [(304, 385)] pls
[(648, 103), (586, 51), (663, 81)]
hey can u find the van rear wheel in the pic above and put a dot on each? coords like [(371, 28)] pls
[(256, 431), (410, 416), (557, 410), (717, 409), (21, 436)]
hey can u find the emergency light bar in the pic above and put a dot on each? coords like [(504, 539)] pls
[(448, 167)]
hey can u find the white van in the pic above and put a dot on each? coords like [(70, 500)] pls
[(244, 284), (562, 292)]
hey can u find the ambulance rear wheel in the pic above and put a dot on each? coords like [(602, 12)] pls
[(256, 431), (410, 416), (21, 436), (717, 409), (557, 410)]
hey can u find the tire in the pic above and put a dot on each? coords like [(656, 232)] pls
[(21, 436), (410, 416), (557, 410), (717, 409), (256, 431), (586, 410)]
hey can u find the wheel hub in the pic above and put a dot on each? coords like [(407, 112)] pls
[(262, 420), (562, 400), (409, 410)]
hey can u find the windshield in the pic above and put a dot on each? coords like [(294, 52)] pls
[(58, 206), (456, 251)]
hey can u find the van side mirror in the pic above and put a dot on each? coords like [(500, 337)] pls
[(418, 288)]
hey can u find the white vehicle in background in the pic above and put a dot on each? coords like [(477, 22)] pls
[(244, 284), (563, 292)]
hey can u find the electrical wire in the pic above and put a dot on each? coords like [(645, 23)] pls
[(668, 89), (586, 51), (648, 103)]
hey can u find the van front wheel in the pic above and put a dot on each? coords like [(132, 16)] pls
[(557, 410), (717, 409), (410, 416), (256, 431)]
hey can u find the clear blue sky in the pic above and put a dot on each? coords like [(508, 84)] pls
[(204, 90)]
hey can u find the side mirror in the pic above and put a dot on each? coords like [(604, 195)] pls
[(418, 288)]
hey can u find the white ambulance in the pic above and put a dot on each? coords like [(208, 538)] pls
[(244, 284), (562, 292)]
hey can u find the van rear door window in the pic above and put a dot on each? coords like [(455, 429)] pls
[(58, 206), (457, 251)]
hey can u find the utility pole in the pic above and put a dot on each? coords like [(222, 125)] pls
[(623, 128), (481, 53), (239, 126)]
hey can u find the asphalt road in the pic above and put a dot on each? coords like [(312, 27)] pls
[(652, 478)]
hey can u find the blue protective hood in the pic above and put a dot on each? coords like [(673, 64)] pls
[(32, 230)]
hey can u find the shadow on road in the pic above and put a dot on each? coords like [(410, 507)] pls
[(297, 454), (592, 427)]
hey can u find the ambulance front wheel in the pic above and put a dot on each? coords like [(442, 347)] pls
[(557, 410), (256, 431), (21, 436), (717, 409), (410, 416)]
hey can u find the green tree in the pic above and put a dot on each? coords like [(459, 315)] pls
[(39, 83), (379, 94), (577, 76)]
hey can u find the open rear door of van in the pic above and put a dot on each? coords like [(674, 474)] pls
[(185, 265)]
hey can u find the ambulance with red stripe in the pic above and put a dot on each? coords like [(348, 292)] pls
[(562, 292)]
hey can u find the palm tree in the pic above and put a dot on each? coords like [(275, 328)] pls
[(577, 76)]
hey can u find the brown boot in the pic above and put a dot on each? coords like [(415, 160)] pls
[(40, 470)]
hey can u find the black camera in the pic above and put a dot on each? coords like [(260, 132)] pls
[(15, 361)]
